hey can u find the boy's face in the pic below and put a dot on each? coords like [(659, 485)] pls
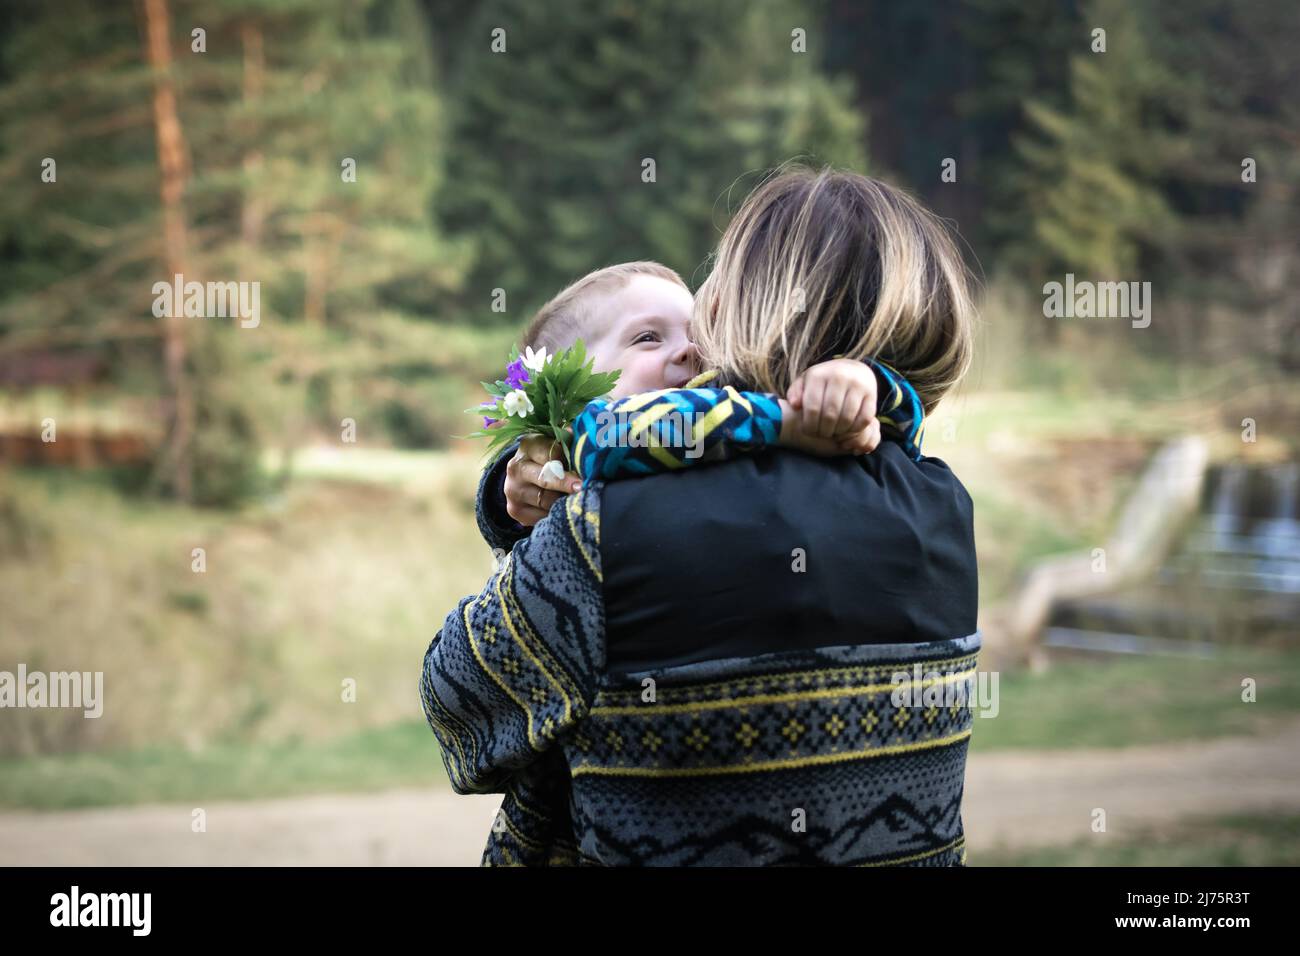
[(643, 331)]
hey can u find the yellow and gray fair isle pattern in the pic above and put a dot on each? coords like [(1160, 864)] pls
[(839, 755)]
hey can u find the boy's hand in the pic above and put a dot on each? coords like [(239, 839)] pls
[(835, 404), (529, 492)]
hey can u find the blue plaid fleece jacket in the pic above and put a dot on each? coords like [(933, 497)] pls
[(767, 661)]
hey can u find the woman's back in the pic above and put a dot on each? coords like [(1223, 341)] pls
[(777, 550), (749, 708)]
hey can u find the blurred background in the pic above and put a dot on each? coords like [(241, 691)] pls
[(408, 179)]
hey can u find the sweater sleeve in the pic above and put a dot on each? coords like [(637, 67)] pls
[(674, 428), (902, 418), (670, 429), (499, 530), (514, 667)]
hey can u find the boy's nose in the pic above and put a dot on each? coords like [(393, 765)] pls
[(687, 355)]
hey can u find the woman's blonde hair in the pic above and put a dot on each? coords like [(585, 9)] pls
[(823, 263)]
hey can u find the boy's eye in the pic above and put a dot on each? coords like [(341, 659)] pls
[(644, 337)]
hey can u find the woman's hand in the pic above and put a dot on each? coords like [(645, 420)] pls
[(831, 410), (529, 492)]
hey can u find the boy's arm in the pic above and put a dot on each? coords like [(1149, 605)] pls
[(499, 530), (696, 425), (515, 666), (691, 425)]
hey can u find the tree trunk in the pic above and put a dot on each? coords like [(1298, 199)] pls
[(253, 213), (320, 251), (172, 164)]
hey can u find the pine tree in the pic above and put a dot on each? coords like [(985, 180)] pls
[(270, 108), (1142, 169), (1012, 53), (1236, 183), (553, 138), (1094, 168)]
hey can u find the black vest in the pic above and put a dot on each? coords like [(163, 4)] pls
[(779, 551)]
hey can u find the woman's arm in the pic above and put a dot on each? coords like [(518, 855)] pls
[(514, 667)]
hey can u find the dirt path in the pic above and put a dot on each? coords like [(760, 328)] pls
[(1018, 799), (394, 828), (1013, 800)]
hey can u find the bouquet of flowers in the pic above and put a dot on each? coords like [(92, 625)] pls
[(541, 395)]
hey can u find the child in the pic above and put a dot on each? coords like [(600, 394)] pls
[(634, 317)]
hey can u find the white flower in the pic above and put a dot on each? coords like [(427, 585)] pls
[(535, 360), (518, 403), (553, 469)]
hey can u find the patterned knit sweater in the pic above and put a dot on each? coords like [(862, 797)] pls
[(840, 753)]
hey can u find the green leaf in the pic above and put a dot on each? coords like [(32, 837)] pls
[(553, 403), (559, 393)]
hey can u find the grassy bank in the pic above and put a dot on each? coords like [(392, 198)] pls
[(399, 755), (334, 584), (1130, 701)]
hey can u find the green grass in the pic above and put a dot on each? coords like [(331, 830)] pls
[(332, 581), (1241, 840), (360, 464), (1131, 701), (400, 755)]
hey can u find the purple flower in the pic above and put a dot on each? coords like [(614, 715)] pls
[(489, 422), (516, 374)]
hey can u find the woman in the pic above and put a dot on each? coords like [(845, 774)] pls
[(762, 661)]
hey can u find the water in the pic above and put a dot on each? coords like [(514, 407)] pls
[(1233, 577), (1249, 537)]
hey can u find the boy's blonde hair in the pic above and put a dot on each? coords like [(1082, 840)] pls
[(824, 263), (564, 320)]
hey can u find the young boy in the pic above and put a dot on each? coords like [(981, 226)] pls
[(635, 317)]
